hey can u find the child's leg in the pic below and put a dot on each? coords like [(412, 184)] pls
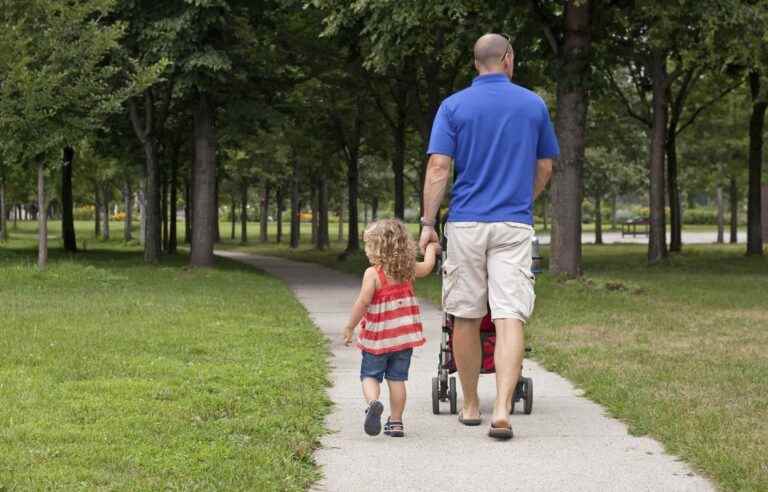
[(396, 400), (371, 389), (397, 375)]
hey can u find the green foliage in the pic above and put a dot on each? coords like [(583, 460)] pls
[(55, 82)]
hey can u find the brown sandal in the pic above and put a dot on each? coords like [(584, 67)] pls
[(469, 422), (501, 432)]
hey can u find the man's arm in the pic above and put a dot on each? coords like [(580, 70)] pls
[(543, 173), (435, 184)]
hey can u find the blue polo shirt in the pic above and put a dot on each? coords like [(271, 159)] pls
[(495, 131)]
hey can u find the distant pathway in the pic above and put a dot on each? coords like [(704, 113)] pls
[(566, 444), (689, 237)]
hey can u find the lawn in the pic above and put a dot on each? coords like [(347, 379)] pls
[(678, 351), (119, 376)]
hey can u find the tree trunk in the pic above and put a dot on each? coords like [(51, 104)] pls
[(243, 210), (216, 232), (675, 210), (164, 214), (323, 238), (204, 187), (279, 235), (340, 236), (374, 208), (233, 218), (657, 237), (570, 122), (264, 224), (105, 210), (734, 202), (314, 207), (295, 222), (142, 218), (544, 206), (598, 219), (756, 125), (128, 199), (3, 215), (398, 167), (67, 216), (96, 212), (720, 216), (172, 207), (187, 212), (152, 213), (42, 218), (353, 241)]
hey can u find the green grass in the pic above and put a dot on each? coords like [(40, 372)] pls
[(120, 376), (678, 351)]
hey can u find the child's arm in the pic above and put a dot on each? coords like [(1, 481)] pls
[(361, 305), (425, 267)]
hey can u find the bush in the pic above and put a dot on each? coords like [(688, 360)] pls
[(701, 216), (85, 212), (119, 217)]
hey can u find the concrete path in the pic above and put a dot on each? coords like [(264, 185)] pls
[(689, 237), (566, 444)]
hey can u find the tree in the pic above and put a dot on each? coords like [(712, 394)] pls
[(738, 29), (45, 104)]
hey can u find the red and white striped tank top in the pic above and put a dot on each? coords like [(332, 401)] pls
[(393, 320)]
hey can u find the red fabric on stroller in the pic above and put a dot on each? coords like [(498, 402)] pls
[(487, 340)]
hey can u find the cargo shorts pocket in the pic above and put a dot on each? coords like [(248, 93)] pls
[(450, 279), (527, 294)]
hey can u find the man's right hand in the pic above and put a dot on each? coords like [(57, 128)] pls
[(428, 235)]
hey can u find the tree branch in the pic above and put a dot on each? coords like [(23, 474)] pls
[(165, 105), (626, 101), (706, 105), (678, 102), (148, 112), (136, 121), (546, 26)]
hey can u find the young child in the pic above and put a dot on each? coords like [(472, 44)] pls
[(391, 319)]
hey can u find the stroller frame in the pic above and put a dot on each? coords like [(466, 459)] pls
[(444, 384)]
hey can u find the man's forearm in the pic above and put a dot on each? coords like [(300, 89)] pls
[(435, 184), (541, 185), (543, 175)]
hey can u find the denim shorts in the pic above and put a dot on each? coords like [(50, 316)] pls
[(394, 365)]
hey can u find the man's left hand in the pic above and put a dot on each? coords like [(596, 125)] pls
[(428, 235)]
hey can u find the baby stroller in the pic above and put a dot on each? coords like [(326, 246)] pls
[(444, 384)]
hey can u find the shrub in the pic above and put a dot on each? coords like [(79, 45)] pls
[(701, 216), (85, 212), (119, 217)]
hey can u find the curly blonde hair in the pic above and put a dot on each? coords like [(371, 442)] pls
[(389, 245)]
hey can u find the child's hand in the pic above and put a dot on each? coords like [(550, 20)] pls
[(436, 247), (348, 333)]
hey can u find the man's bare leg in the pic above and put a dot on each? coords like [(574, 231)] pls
[(508, 358), (468, 354)]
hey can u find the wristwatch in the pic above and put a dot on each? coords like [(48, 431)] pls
[(427, 222)]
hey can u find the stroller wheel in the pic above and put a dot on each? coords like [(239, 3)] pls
[(528, 396), (435, 396), (453, 396)]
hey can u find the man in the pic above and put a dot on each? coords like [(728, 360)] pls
[(500, 138)]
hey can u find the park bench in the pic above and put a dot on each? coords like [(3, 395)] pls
[(630, 227)]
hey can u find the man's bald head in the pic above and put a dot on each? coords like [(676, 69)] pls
[(489, 53)]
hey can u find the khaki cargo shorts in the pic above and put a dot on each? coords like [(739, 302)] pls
[(488, 263)]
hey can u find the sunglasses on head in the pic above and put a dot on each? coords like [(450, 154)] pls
[(509, 47)]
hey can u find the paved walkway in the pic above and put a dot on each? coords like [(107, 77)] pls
[(566, 444), (689, 237)]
